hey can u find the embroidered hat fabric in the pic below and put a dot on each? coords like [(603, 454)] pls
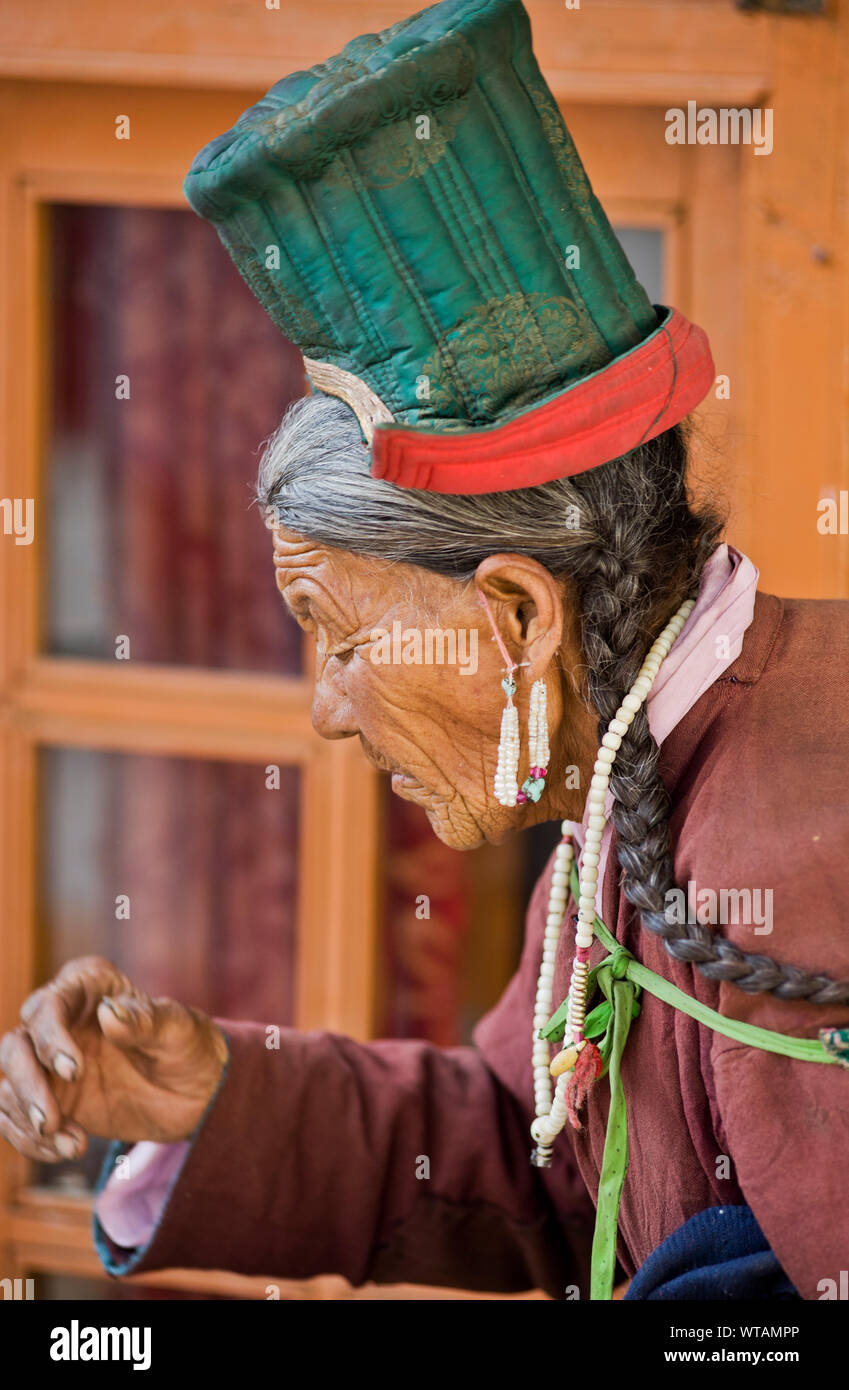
[(414, 212)]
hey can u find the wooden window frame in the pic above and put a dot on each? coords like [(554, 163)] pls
[(156, 709)]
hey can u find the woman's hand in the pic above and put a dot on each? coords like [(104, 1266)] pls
[(94, 1055)]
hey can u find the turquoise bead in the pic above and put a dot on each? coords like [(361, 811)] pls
[(532, 787)]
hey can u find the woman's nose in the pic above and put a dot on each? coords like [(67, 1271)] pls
[(332, 712)]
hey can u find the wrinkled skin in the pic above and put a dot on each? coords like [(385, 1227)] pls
[(430, 723), (95, 1055)]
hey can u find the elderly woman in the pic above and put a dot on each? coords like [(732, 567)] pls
[(525, 482)]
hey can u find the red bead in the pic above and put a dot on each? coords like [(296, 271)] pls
[(520, 797)]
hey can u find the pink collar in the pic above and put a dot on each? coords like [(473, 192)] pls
[(709, 642)]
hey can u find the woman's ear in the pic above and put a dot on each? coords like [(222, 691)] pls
[(527, 604)]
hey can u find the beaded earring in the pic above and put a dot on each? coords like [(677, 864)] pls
[(534, 784), (506, 785)]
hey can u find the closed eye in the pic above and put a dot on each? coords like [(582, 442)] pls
[(301, 613), (343, 651)]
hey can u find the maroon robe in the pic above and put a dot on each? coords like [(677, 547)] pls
[(309, 1160)]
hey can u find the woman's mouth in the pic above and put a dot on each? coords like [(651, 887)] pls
[(402, 785)]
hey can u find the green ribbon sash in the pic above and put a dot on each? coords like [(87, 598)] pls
[(620, 978)]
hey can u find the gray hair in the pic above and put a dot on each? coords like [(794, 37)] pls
[(626, 535), (315, 473)]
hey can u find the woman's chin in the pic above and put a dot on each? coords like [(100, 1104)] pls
[(461, 832), (449, 819)]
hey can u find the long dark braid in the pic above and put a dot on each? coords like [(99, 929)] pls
[(618, 585)]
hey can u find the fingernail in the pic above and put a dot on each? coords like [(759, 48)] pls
[(121, 1014), (65, 1145), (36, 1118), (118, 1010), (64, 1066)]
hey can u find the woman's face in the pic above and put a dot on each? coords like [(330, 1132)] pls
[(406, 661)]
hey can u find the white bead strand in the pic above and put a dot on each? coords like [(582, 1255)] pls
[(551, 1112), (558, 897), (538, 748), (506, 783)]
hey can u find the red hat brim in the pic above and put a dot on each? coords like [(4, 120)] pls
[(631, 400)]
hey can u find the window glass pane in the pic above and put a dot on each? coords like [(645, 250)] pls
[(181, 871), (644, 248), (166, 376)]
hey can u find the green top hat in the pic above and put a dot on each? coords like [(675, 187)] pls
[(414, 216)]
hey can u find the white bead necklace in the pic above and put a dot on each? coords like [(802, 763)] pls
[(551, 1110)]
